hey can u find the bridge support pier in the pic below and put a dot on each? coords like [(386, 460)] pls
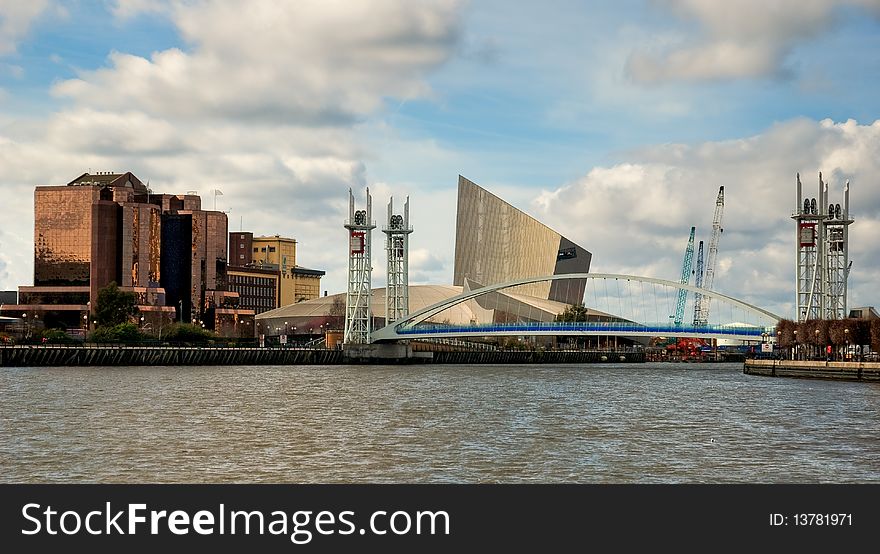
[(382, 353)]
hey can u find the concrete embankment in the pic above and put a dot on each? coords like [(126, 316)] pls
[(814, 369), (50, 355), (37, 356)]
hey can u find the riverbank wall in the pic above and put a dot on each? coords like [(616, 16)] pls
[(814, 369), (52, 355)]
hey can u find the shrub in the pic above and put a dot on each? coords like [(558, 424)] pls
[(188, 333), (56, 336), (122, 333)]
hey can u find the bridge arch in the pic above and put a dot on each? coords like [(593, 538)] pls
[(404, 328)]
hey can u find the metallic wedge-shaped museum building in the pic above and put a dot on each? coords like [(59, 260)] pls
[(497, 243)]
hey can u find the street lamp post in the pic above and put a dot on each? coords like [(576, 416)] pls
[(846, 352), (796, 349), (86, 316), (818, 354)]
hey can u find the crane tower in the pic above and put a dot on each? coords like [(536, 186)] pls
[(685, 278), (702, 306), (698, 282)]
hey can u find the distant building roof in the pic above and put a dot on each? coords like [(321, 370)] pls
[(299, 270), (108, 179), (865, 312)]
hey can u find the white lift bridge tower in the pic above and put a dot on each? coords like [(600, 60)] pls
[(822, 257), (357, 300), (397, 231)]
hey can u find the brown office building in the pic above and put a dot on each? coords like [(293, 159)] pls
[(110, 227)]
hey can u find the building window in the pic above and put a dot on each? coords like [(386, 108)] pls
[(263, 249), (256, 249), (241, 256), (241, 245), (271, 249)]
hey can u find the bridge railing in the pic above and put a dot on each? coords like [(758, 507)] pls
[(561, 327)]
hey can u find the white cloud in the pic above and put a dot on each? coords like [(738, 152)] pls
[(16, 18), (312, 62), (635, 216), (748, 38), (265, 103)]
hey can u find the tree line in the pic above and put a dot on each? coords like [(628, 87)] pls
[(814, 336)]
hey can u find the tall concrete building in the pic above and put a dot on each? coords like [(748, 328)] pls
[(496, 243), (254, 259)]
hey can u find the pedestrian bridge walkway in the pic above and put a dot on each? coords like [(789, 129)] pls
[(620, 305)]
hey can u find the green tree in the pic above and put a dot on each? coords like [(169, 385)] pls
[(188, 333), (124, 332), (575, 312), (56, 336), (115, 306)]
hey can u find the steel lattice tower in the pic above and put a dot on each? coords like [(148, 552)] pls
[(836, 232), (685, 277), (703, 301), (397, 230), (357, 301), (698, 282), (810, 235), (822, 254)]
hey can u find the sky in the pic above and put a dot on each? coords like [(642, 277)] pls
[(613, 123)]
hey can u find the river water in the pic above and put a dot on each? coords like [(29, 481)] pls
[(633, 423)]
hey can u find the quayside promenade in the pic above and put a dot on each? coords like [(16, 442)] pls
[(814, 369)]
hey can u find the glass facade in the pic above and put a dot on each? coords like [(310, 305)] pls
[(62, 235), (109, 227)]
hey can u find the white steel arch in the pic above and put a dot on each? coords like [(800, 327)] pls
[(389, 332)]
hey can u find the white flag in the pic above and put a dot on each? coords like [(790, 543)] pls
[(218, 192)]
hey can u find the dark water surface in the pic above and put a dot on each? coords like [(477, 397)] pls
[(636, 423)]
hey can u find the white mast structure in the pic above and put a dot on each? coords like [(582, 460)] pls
[(701, 310), (397, 248), (357, 300), (822, 269), (836, 225)]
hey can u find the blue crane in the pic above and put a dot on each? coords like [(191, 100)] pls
[(685, 277)]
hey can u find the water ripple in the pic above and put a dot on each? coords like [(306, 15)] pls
[(649, 423)]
